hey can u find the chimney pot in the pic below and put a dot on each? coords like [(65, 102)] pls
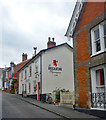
[(51, 43), (48, 38), (53, 39)]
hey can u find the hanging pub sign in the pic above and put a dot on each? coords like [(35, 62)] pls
[(54, 68), (14, 76)]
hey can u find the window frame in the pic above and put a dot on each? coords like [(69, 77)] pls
[(101, 34), (93, 77), (30, 71), (25, 74), (99, 78)]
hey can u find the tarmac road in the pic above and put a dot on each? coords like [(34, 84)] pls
[(15, 108)]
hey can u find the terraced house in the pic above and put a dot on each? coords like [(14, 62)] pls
[(87, 27), (51, 68)]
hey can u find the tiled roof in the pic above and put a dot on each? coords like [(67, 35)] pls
[(44, 50), (1, 69), (20, 65)]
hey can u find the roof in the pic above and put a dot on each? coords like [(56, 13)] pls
[(1, 69), (7, 68), (42, 51), (20, 65), (75, 17)]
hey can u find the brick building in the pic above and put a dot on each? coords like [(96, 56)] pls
[(87, 27), (17, 67), (11, 73)]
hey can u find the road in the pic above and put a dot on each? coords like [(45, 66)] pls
[(15, 108)]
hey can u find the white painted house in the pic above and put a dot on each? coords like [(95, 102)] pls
[(51, 68), (0, 78)]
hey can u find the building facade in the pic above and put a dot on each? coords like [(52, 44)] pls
[(1, 78), (88, 29), (48, 70)]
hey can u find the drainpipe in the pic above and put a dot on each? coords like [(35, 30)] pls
[(41, 74)]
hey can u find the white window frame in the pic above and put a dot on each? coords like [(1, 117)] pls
[(93, 78), (102, 45), (30, 71)]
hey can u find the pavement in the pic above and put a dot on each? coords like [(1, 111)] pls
[(0, 105), (65, 111)]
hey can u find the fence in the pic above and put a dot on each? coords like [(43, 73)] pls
[(99, 100), (65, 97)]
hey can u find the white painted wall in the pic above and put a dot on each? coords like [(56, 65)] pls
[(29, 79), (64, 56), (0, 79)]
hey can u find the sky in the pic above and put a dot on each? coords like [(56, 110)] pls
[(25, 24)]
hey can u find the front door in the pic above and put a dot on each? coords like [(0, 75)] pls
[(22, 87), (38, 90)]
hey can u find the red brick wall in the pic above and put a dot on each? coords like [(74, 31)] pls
[(82, 56), (81, 45), (91, 11), (82, 84)]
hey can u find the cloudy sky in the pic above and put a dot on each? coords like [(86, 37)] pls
[(29, 23)]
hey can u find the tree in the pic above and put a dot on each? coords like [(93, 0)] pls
[(12, 83)]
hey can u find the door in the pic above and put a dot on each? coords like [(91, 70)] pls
[(22, 87), (38, 90)]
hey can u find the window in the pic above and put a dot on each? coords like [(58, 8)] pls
[(22, 75), (98, 38), (100, 77), (29, 87), (25, 88), (34, 85), (25, 74), (104, 29), (36, 68), (30, 71)]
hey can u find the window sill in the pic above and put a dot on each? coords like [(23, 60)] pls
[(98, 53), (101, 86)]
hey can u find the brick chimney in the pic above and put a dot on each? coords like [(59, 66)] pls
[(51, 43), (24, 57), (12, 65)]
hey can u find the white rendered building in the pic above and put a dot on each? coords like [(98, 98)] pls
[(51, 68)]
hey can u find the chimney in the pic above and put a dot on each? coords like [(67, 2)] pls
[(24, 57), (51, 43), (12, 65)]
